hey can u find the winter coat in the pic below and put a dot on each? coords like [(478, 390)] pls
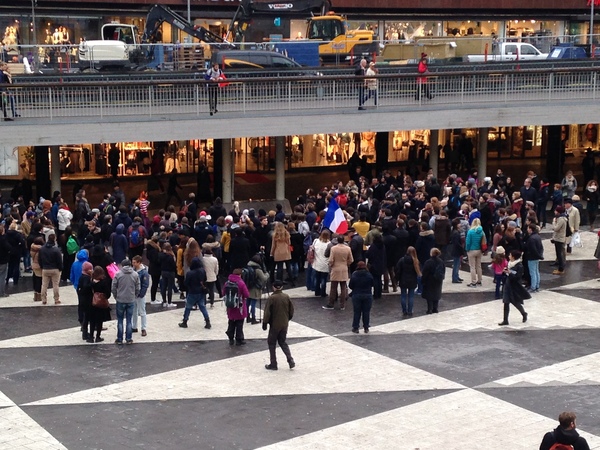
[(361, 283), (280, 249), (514, 291), (559, 230), (432, 287), (241, 312), (153, 253), (376, 256), (51, 257), (425, 242), (321, 262), (442, 230), (534, 250), (457, 249), (35, 259), (340, 258), (211, 267), (279, 310), (473, 239), (239, 252), (563, 436), (406, 273), (126, 285), (84, 292), (119, 244), (82, 256), (195, 279), (262, 278), (144, 280), (64, 218), (103, 286), (167, 263), (122, 218)]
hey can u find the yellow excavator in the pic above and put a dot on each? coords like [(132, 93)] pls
[(339, 42)]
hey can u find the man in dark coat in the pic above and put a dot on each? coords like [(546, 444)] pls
[(279, 310), (565, 434), (239, 249), (433, 278)]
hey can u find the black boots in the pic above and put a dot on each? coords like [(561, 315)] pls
[(271, 366), (183, 324), (207, 325)]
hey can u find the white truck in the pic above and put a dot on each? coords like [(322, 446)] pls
[(510, 51)]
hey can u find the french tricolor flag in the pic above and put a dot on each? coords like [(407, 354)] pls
[(334, 218)]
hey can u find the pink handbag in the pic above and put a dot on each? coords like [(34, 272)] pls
[(112, 270)]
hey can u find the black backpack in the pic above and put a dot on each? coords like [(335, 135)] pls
[(232, 295), (250, 278)]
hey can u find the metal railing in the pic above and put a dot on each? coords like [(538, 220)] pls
[(58, 101)]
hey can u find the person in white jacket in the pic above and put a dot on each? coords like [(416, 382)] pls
[(321, 262), (211, 267), (64, 217)]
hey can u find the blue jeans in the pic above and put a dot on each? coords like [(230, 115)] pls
[(499, 279), (195, 299), (124, 311), (534, 272), (321, 283), (407, 294), (456, 268), (362, 306), (294, 268), (251, 302), (310, 278)]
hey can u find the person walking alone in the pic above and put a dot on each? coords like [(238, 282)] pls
[(195, 283), (514, 291), (422, 86), (214, 75), (279, 310), (362, 283)]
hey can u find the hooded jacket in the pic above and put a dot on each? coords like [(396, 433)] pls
[(144, 280), (64, 217), (119, 243), (242, 312), (425, 242), (473, 240), (126, 285), (562, 436), (195, 278), (76, 268)]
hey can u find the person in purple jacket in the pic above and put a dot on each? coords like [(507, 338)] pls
[(237, 316)]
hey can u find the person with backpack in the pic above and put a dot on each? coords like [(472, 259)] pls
[(279, 310), (255, 276), (137, 238), (565, 436), (235, 292), (433, 276)]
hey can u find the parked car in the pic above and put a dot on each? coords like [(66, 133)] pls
[(567, 51)]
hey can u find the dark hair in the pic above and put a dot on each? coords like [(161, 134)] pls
[(515, 254), (340, 239)]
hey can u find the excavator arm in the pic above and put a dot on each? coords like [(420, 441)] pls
[(159, 14), (248, 8)]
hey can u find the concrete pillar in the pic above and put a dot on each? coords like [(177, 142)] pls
[(280, 168), (482, 153), (434, 153), (55, 168), (228, 171)]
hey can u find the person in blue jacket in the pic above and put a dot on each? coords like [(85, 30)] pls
[(473, 249)]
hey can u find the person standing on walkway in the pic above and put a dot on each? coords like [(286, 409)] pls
[(280, 251), (211, 267), (126, 289), (321, 263), (4, 256), (51, 262), (99, 315), (279, 310), (172, 187), (85, 296), (514, 291), (236, 315), (361, 283), (565, 434), (340, 258), (534, 250), (408, 270), (195, 283), (214, 75), (361, 71), (559, 238), (168, 269), (422, 86), (371, 83), (473, 242), (139, 308), (574, 219), (433, 279)]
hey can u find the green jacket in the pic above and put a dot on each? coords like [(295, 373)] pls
[(279, 310)]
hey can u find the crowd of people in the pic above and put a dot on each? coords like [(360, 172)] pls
[(399, 235)]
